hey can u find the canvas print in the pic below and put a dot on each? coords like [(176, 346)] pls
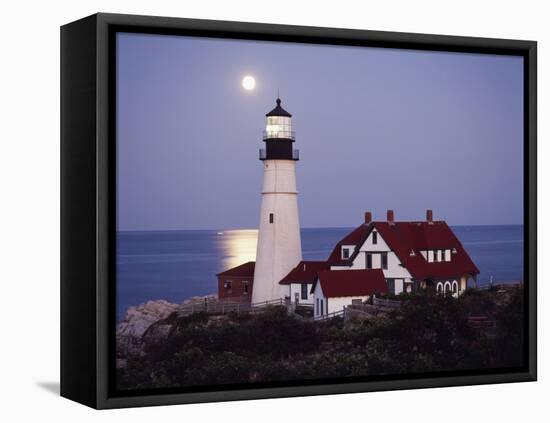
[(297, 213)]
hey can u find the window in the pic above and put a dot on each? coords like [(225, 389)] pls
[(356, 301), (439, 255), (317, 305), (375, 237), (322, 311), (245, 287), (430, 256), (384, 259), (304, 291), (270, 217), (345, 253), (369, 261), (391, 285), (447, 255), (228, 285)]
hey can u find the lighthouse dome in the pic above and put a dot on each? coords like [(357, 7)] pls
[(278, 110)]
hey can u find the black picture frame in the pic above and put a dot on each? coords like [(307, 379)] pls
[(88, 203)]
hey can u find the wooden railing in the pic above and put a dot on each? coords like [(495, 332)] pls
[(221, 307), (278, 301), (388, 304)]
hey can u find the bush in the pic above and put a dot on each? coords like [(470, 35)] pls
[(429, 333)]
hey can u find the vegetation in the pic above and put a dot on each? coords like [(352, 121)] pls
[(428, 333)]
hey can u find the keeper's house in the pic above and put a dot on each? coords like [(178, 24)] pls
[(412, 255)]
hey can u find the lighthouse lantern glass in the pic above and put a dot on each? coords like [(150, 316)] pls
[(278, 127)]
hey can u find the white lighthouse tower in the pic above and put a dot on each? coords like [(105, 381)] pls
[(279, 246)]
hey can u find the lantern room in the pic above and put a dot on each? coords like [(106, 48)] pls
[(279, 123), (278, 135)]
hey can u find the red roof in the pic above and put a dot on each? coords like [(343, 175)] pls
[(304, 272), (244, 270), (350, 283), (355, 237), (406, 237)]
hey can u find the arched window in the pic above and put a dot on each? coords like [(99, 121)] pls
[(455, 287), (439, 288), (447, 288)]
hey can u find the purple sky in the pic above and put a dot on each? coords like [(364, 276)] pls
[(376, 129)]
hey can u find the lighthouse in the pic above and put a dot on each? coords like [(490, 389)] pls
[(279, 247)]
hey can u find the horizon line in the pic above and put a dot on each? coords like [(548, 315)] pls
[(307, 227)]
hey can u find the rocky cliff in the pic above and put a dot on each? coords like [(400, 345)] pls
[(143, 324), (138, 319)]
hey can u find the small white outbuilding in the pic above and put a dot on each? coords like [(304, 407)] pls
[(334, 290)]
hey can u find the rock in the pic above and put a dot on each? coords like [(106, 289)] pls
[(200, 300), (138, 319)]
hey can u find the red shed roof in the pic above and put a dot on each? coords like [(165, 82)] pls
[(350, 283), (304, 272), (405, 238), (244, 270)]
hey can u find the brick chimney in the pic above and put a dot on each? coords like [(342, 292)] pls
[(368, 217), (390, 216), (429, 216)]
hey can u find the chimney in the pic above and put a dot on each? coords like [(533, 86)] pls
[(368, 217), (390, 216), (429, 216)]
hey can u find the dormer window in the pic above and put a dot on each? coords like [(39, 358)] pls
[(447, 255), (345, 253)]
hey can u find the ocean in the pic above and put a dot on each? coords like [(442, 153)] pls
[(175, 265)]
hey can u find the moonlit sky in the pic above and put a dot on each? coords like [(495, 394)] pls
[(376, 128)]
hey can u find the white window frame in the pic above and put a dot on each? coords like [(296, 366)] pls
[(346, 249)]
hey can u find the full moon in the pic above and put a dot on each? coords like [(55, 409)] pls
[(249, 83)]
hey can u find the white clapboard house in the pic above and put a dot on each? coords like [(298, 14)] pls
[(386, 256)]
